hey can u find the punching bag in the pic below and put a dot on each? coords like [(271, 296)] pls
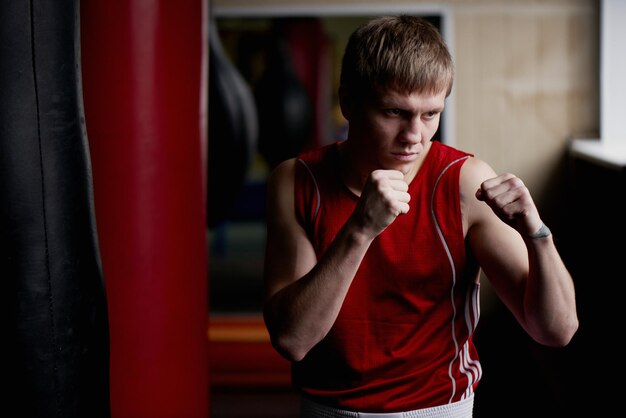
[(233, 131), (56, 350), (285, 110), (144, 77)]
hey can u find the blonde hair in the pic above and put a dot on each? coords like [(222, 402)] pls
[(404, 53)]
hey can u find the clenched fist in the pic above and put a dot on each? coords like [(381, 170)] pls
[(511, 201), (383, 198)]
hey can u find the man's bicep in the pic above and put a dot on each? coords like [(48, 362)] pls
[(498, 248), (289, 254), (502, 256)]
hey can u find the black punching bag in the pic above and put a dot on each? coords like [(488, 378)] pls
[(55, 337), (233, 131), (284, 106)]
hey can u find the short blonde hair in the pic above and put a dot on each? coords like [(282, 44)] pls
[(404, 53)]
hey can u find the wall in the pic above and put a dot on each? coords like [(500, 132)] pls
[(527, 80)]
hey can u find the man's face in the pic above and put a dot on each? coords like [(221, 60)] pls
[(392, 128)]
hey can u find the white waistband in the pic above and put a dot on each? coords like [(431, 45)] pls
[(460, 409)]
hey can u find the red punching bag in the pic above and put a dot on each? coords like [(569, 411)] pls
[(144, 76)]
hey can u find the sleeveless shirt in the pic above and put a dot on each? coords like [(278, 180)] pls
[(403, 337)]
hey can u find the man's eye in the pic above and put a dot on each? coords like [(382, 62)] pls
[(393, 112)]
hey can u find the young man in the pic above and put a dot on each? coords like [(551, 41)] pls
[(374, 245)]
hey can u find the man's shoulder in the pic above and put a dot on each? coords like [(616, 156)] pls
[(449, 150), (318, 153)]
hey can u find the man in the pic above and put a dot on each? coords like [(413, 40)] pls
[(375, 244)]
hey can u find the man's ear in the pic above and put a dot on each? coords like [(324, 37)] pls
[(345, 103)]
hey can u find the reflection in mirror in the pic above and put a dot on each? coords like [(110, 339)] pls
[(291, 67)]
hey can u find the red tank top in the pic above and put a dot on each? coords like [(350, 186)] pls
[(403, 337)]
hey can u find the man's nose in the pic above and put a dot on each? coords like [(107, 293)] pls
[(413, 130)]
